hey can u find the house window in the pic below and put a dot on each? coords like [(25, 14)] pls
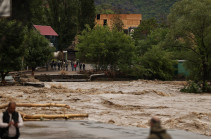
[(104, 22), (98, 17)]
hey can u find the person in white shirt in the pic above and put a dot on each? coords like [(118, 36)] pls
[(10, 121)]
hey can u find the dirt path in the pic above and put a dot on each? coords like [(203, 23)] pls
[(121, 103)]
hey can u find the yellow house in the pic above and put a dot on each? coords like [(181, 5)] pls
[(129, 20)]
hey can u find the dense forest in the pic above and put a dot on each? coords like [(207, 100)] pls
[(148, 8)]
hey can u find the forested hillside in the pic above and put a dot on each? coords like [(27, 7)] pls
[(148, 8)]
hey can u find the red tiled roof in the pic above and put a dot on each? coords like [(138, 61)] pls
[(46, 30)]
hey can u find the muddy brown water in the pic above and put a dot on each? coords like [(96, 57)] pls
[(122, 103), (91, 130)]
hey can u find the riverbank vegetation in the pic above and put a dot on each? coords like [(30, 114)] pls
[(156, 47), (151, 52)]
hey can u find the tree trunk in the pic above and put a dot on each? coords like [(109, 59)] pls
[(33, 69), (37, 105), (47, 66), (62, 55), (3, 75), (204, 76), (40, 116), (3, 80), (204, 65)]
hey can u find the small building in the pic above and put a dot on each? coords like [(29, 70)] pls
[(181, 69), (71, 52), (130, 21), (48, 32), (181, 72)]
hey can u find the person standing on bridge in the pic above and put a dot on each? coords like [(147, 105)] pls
[(84, 66), (156, 131), (75, 66), (10, 121)]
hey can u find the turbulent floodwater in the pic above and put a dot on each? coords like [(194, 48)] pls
[(92, 130), (124, 103)]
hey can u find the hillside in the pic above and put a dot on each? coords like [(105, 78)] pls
[(148, 8)]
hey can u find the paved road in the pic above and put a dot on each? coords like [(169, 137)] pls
[(91, 130)]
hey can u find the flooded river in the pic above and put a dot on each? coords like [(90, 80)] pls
[(91, 130), (126, 104)]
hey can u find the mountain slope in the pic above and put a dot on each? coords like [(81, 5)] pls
[(148, 8)]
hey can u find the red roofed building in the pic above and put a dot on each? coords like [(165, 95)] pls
[(48, 32)]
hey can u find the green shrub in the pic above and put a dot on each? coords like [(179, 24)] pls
[(192, 87), (196, 87), (156, 64)]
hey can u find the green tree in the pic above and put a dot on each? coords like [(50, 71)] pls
[(28, 11), (155, 37), (62, 15), (190, 24), (87, 14), (156, 64), (144, 29), (153, 61), (105, 47), (104, 9), (117, 23), (11, 48), (38, 51)]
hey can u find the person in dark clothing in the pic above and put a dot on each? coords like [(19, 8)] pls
[(72, 65), (10, 121), (80, 65), (84, 66), (156, 131), (52, 63), (77, 62), (59, 65), (66, 65)]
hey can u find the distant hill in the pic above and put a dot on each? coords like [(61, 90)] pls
[(148, 8)]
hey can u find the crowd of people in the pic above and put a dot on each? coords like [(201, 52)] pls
[(64, 65)]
